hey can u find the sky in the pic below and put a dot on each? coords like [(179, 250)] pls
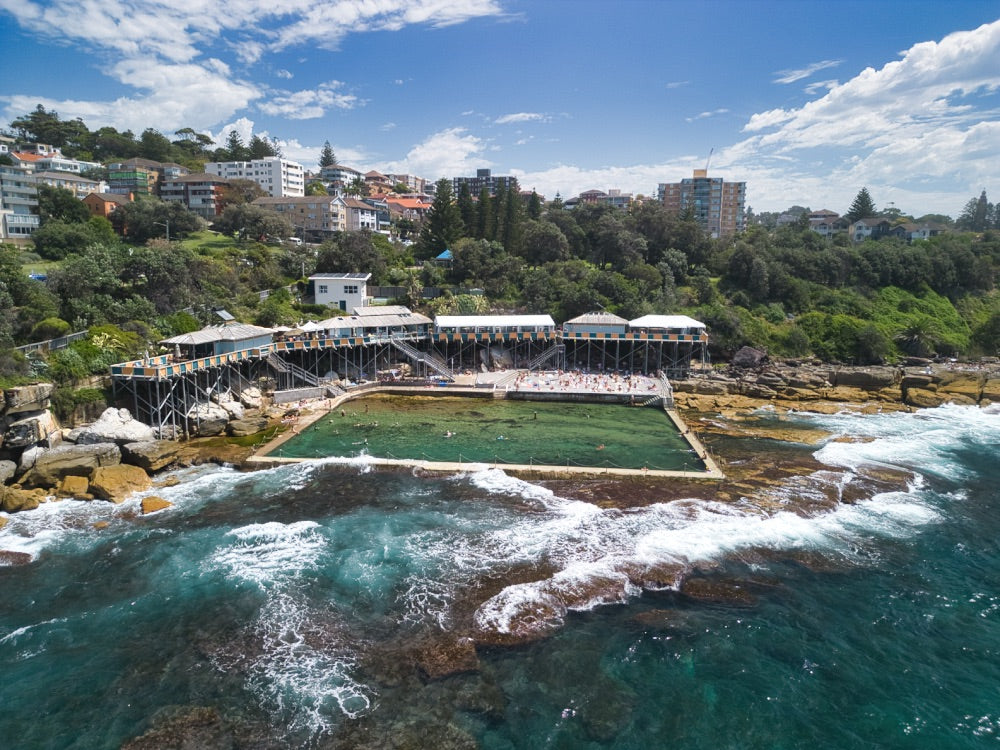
[(805, 101)]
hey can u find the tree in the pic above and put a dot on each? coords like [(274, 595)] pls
[(443, 226), (466, 207), (534, 206), (235, 148), (61, 205), (863, 207), (154, 145), (316, 188), (351, 252), (326, 157), (260, 148), (543, 242), (240, 191), (977, 214), (250, 222), (143, 220)]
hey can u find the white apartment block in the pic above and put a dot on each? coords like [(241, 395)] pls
[(279, 177)]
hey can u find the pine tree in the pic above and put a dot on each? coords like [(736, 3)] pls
[(534, 206), (863, 207), (327, 158), (484, 214), (513, 220), (443, 226), (235, 148), (976, 216), (260, 148), (466, 207)]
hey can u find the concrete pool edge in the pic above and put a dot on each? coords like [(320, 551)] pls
[(265, 460)]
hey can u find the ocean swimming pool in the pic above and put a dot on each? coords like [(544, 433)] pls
[(457, 429)]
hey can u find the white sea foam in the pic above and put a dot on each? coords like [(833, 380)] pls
[(923, 441), (271, 553), (594, 549), (304, 673)]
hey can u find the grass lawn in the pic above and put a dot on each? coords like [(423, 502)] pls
[(207, 242)]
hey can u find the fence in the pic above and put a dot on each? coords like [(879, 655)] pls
[(52, 344)]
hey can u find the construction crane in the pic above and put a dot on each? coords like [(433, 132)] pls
[(709, 159)]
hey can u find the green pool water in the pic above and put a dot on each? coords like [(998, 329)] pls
[(456, 429)]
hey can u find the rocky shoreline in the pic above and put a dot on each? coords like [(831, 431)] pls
[(117, 456)]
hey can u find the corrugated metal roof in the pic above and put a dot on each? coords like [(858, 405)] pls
[(598, 318), (665, 321), (342, 276), (492, 321), (232, 332), (368, 310)]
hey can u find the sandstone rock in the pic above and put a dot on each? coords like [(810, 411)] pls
[(448, 658), (4, 521), (207, 419), (73, 486), (869, 378), (186, 727), (28, 458), (718, 591), (251, 398), (116, 483), (151, 455), (234, 409), (9, 558), (32, 428), (101, 525), (990, 392), (152, 503), (756, 390), (846, 393), (51, 466), (13, 499), (246, 426), (916, 381), (114, 426), (748, 357), (7, 470), (27, 398), (923, 398), (970, 387)]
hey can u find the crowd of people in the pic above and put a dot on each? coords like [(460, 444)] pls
[(575, 380)]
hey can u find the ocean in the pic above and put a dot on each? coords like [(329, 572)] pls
[(329, 605)]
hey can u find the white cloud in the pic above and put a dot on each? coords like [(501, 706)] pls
[(915, 128), (172, 96), (287, 74), (309, 104), (791, 76), (676, 84), (818, 86), (521, 117), (386, 127), (447, 153), (704, 115), (164, 43)]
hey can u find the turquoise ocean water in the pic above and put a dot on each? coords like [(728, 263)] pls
[(295, 602)]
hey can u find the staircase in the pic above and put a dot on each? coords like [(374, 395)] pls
[(429, 360), (546, 356), (287, 368)]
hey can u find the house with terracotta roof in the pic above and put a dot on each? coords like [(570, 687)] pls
[(104, 204)]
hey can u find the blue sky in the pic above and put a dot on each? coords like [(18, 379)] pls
[(805, 101)]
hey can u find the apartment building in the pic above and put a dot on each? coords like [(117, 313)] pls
[(281, 178), (315, 215), (483, 179), (717, 205), (199, 192)]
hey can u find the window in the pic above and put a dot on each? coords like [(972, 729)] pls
[(324, 289), (350, 289)]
